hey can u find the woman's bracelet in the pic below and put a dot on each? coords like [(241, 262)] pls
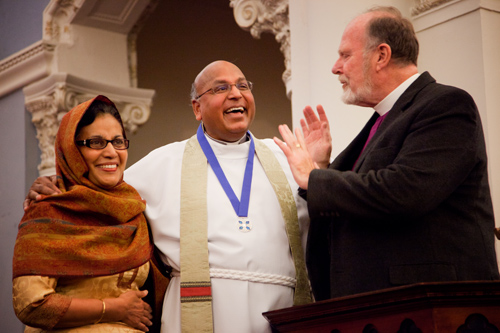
[(103, 311)]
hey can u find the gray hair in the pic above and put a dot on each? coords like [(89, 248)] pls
[(394, 30)]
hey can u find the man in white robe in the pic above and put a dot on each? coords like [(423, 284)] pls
[(235, 258)]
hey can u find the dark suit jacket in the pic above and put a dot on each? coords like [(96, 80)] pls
[(416, 207)]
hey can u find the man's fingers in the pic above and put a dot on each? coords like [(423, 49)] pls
[(305, 128), (300, 138), (311, 118), (283, 131), (282, 146), (326, 131), (27, 203), (48, 189), (321, 113), (45, 186), (31, 197)]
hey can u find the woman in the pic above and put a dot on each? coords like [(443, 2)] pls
[(82, 255)]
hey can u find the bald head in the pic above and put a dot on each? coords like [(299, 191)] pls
[(222, 99), (209, 73)]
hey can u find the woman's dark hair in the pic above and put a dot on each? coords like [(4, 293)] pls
[(96, 109)]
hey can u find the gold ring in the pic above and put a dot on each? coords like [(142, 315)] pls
[(297, 145)]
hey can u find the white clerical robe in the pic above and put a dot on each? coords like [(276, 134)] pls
[(237, 305)]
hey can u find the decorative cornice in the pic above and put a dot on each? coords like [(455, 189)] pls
[(431, 13), (24, 55), (258, 16), (25, 66), (426, 5), (49, 99)]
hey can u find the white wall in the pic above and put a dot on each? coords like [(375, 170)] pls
[(460, 45), (97, 54)]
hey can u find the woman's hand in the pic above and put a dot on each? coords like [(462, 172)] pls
[(130, 309)]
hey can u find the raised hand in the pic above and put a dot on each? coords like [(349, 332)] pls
[(317, 135), (295, 150)]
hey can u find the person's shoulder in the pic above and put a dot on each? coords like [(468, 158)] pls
[(166, 150), (444, 96), (178, 145), (443, 89)]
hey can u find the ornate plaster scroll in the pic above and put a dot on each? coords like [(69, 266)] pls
[(258, 16), (425, 5), (57, 18)]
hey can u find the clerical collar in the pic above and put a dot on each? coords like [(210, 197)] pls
[(243, 139), (388, 102)]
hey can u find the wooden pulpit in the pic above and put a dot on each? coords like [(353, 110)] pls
[(462, 307)]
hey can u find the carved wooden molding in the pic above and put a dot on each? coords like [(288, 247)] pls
[(425, 306), (477, 322), (49, 99), (258, 16), (425, 5)]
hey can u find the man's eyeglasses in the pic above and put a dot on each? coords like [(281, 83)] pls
[(224, 88), (100, 143)]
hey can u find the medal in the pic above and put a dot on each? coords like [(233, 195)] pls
[(239, 206), (244, 225)]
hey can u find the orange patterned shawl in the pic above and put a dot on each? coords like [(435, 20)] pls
[(86, 230)]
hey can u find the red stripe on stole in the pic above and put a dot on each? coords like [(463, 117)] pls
[(195, 291)]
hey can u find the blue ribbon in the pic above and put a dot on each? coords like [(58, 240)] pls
[(240, 207)]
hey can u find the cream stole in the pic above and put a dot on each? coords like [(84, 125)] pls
[(196, 298)]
